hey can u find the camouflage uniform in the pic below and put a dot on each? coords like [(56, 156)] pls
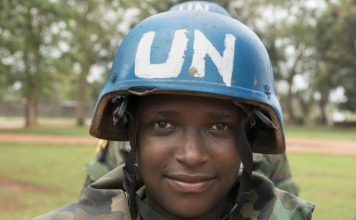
[(276, 168), (110, 154), (106, 200)]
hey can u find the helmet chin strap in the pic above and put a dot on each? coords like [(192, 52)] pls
[(244, 184), (123, 119), (245, 150)]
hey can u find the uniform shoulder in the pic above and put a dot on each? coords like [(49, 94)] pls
[(104, 204), (289, 206), (268, 202), (65, 213)]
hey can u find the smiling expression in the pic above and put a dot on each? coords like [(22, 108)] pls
[(188, 154)]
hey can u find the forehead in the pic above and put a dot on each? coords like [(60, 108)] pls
[(185, 103)]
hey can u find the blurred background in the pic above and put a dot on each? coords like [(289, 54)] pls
[(55, 56)]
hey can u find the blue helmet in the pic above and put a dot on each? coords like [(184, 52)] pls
[(197, 52)]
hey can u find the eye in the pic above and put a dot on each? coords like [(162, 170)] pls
[(163, 124), (219, 126)]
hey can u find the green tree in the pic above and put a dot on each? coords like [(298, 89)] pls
[(300, 62), (26, 48), (287, 29), (93, 32), (336, 45)]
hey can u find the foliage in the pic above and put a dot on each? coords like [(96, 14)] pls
[(27, 49), (336, 46), (63, 49), (93, 32), (287, 30)]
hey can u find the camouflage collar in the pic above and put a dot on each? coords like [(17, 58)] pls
[(105, 200)]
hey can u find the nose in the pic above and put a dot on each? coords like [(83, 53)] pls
[(192, 150)]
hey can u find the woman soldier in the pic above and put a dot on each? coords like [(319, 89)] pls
[(193, 92)]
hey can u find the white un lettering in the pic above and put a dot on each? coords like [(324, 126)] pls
[(172, 67)]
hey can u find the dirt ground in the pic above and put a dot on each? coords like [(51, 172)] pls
[(294, 144), (321, 145), (21, 185)]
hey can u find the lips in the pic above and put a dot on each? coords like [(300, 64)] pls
[(185, 183)]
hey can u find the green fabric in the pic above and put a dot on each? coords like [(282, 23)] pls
[(108, 156), (290, 207), (95, 170), (276, 168)]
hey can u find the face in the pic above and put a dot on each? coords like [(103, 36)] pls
[(188, 154)]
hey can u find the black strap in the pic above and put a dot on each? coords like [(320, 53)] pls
[(235, 205), (247, 161), (120, 118), (123, 118), (244, 144), (129, 184)]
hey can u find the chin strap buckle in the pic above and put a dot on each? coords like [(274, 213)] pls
[(120, 117)]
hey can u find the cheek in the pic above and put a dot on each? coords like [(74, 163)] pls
[(227, 157), (152, 154)]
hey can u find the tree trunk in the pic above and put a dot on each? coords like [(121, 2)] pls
[(322, 105), (31, 67), (292, 73), (81, 99), (305, 107), (31, 113), (291, 116)]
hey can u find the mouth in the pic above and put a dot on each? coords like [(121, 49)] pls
[(185, 183)]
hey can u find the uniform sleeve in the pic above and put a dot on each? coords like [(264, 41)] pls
[(289, 206), (276, 168), (109, 154), (103, 204)]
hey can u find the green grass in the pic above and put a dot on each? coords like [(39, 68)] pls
[(55, 173), (328, 132), (47, 126), (329, 181), (38, 178), (69, 131)]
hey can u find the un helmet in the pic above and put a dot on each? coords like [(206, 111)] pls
[(196, 52)]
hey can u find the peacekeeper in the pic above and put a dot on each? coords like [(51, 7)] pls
[(193, 93), (110, 154)]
